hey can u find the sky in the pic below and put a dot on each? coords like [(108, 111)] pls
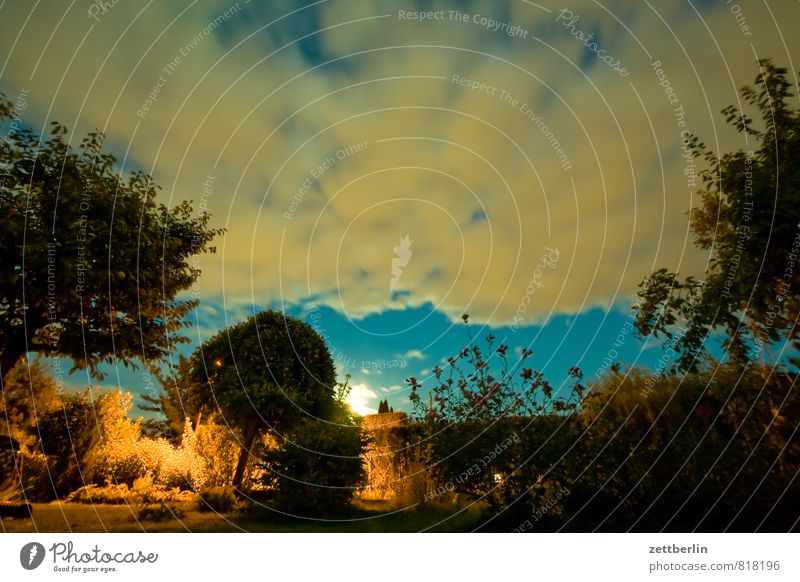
[(383, 167)]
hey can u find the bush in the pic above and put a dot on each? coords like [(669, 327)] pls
[(220, 499), (317, 472), (142, 491), (87, 439), (69, 436), (113, 452), (28, 391), (396, 469), (109, 494), (510, 465), (126, 456), (494, 430), (36, 483), (712, 450), (160, 512), (78, 439), (218, 449), (194, 464), (413, 486)]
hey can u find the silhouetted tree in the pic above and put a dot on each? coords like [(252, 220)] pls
[(268, 372), (750, 221), (90, 265)]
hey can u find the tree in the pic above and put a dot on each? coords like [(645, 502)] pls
[(749, 219), (267, 372), (383, 407), (90, 265)]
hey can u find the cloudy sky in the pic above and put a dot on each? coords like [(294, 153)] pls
[(383, 167)]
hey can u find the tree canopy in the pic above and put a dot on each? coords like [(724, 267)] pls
[(749, 220), (267, 372), (90, 264)]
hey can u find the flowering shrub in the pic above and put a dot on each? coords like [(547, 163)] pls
[(110, 449), (71, 437), (83, 442), (126, 456), (204, 457), (484, 422), (181, 466), (481, 383)]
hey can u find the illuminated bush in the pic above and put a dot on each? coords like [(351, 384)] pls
[(216, 447), (142, 491)]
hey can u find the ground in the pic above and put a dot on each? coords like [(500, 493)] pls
[(368, 517)]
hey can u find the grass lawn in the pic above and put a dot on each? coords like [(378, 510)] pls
[(366, 517)]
